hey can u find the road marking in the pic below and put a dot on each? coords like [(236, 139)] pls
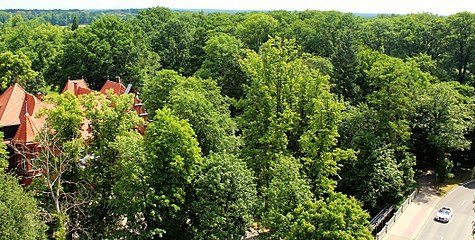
[(463, 202)]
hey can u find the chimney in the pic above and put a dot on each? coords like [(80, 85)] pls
[(75, 88)]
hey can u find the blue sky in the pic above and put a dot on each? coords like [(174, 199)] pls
[(441, 7)]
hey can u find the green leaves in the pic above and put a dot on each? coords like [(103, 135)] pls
[(16, 68), (222, 53), (443, 119), (174, 159), (335, 217), (157, 87), (224, 198), (66, 117), (287, 189), (108, 48), (201, 103), (256, 29), (19, 212), (288, 109)]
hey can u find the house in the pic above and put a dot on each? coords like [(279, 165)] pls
[(20, 122)]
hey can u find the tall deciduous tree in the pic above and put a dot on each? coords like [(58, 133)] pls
[(174, 44), (174, 159), (256, 29), (41, 42), (132, 192), (335, 217), (111, 119), (201, 103), (157, 87), (381, 132), (374, 177), (107, 48), (222, 64), (224, 198), (288, 109), (287, 189), (460, 46), (444, 117), (16, 68), (59, 146)]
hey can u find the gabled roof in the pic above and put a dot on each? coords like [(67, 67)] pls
[(77, 87), (118, 88), (14, 103)]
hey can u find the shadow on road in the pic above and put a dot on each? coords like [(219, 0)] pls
[(427, 188)]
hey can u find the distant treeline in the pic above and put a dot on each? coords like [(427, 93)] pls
[(65, 17)]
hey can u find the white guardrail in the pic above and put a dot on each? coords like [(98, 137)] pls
[(395, 217)]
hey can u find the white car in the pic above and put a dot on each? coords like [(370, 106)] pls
[(444, 214)]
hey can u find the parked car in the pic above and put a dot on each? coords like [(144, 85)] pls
[(444, 214)]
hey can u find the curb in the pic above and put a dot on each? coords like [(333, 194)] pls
[(436, 203)]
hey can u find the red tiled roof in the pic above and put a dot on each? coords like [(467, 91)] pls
[(118, 88), (14, 103), (17, 107), (27, 130), (77, 87)]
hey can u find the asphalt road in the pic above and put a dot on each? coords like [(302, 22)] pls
[(459, 228)]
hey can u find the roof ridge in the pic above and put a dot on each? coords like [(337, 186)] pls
[(7, 97)]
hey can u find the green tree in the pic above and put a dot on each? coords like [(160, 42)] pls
[(288, 109), (222, 64), (224, 199), (75, 25), (201, 103), (324, 28), (460, 47), (380, 131), (111, 118), (379, 33), (286, 191), (335, 217), (396, 83), (174, 159), (107, 48), (16, 68), (345, 72), (58, 156), (256, 29), (374, 177), (421, 33), (19, 212), (132, 193), (174, 43), (41, 42), (444, 118), (157, 87)]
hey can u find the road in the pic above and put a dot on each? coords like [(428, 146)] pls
[(459, 228)]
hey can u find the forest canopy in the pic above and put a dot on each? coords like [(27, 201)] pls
[(259, 120)]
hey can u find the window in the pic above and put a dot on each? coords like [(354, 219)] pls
[(34, 163), (23, 164)]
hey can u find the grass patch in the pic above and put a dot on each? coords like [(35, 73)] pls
[(460, 175)]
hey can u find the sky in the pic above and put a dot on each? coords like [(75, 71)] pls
[(440, 7)]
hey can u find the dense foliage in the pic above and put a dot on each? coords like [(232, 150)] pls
[(298, 124), (19, 212)]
